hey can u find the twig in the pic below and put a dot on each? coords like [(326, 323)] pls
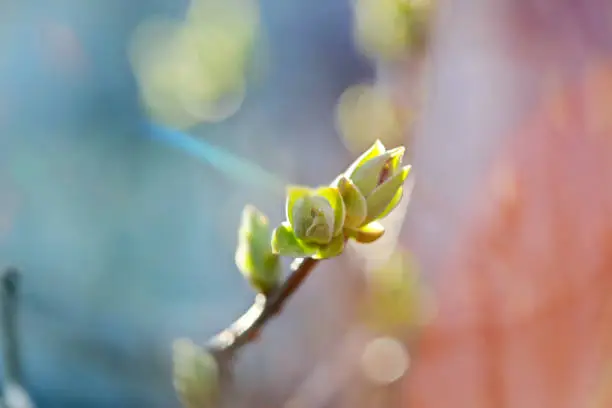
[(247, 327), (14, 394), (10, 341)]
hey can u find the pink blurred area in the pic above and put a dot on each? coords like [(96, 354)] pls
[(512, 211)]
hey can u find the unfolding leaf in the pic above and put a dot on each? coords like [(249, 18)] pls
[(334, 248), (254, 257), (332, 195), (376, 149), (384, 194), (294, 194), (354, 201), (368, 233), (285, 243)]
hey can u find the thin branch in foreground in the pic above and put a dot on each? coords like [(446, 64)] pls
[(247, 327), (10, 341), (14, 394)]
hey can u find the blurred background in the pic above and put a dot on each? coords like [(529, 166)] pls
[(132, 134)]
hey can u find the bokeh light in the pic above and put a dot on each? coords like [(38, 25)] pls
[(364, 113), (397, 298), (384, 360), (388, 29), (195, 70)]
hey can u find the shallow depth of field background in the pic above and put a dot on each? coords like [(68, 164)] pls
[(126, 242), (133, 133)]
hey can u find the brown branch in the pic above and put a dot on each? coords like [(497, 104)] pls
[(247, 327)]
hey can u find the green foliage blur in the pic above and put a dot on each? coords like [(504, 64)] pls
[(195, 70), (397, 298), (387, 29)]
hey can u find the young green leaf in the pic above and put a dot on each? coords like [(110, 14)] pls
[(285, 243), (385, 194), (254, 256), (375, 150), (354, 201), (295, 194), (333, 197), (334, 248)]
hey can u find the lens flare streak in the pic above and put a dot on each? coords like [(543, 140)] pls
[(234, 167)]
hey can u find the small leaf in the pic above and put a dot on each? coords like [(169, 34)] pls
[(375, 150), (393, 203), (324, 211), (262, 276), (334, 248), (320, 231), (396, 155), (367, 176), (294, 194), (313, 218), (285, 243), (332, 195), (384, 194), (354, 201), (196, 375), (254, 257), (302, 216), (368, 233), (254, 232)]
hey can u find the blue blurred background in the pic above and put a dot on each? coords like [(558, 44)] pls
[(126, 240)]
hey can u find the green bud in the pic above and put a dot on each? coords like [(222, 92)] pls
[(367, 176), (371, 173), (196, 375), (313, 219), (379, 178), (316, 216), (387, 195), (254, 255), (315, 224), (375, 150)]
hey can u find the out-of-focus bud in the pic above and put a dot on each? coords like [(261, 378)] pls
[(196, 375), (418, 15), (376, 178), (389, 29), (254, 256), (396, 295), (315, 220)]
